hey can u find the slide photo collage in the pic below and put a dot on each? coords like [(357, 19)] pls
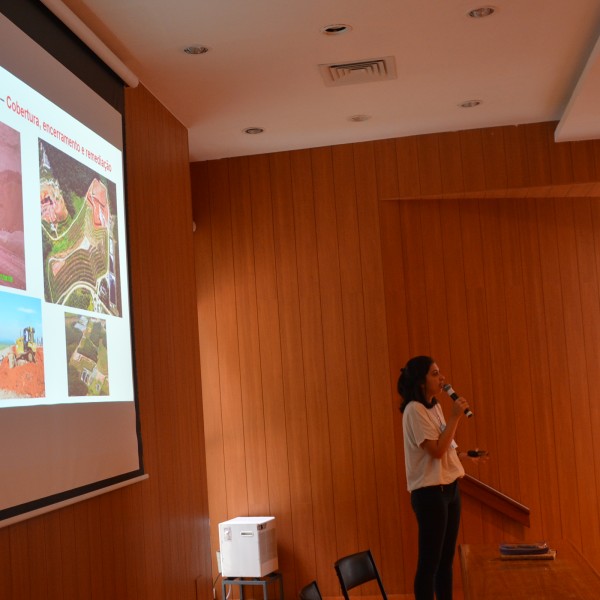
[(61, 241)]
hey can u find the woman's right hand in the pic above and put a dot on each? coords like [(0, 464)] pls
[(459, 406)]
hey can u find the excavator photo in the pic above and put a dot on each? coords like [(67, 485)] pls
[(24, 349)]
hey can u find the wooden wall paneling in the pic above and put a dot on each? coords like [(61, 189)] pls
[(209, 359), (53, 555), (232, 413), (572, 268), (320, 554), (595, 220), (383, 404), (130, 565), (89, 516), (186, 411), (560, 394), (335, 352), (582, 190), (36, 533), (517, 168), (501, 303), (459, 370), (408, 167), (498, 413), (434, 277), (471, 148), (20, 562), (140, 224), (595, 150), (538, 156), (561, 163), (475, 322), (413, 259), (451, 272), (590, 306), (585, 246), (478, 328), (180, 429), (540, 396), (494, 526), (66, 570), (162, 437), (394, 290), (109, 540), (398, 347), (82, 549), (584, 161), (196, 567), (435, 282), (518, 371), (587, 257), (494, 159), (134, 562), (386, 170), (354, 336), (471, 521), (450, 262), (36, 541), (269, 324), (160, 170), (48, 534), (104, 545), (130, 556), (141, 303), (451, 163), (296, 418), (253, 423), (430, 177), (136, 533), (5, 574)]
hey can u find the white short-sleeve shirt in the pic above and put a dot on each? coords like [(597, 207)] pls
[(422, 470)]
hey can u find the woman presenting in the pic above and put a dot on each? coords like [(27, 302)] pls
[(433, 468)]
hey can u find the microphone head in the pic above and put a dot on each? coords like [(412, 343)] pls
[(450, 391)]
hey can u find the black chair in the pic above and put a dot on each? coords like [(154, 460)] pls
[(357, 569), (310, 592)]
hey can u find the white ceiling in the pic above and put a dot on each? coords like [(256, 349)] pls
[(532, 61)]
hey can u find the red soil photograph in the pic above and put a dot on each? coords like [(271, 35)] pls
[(21, 347), (12, 241)]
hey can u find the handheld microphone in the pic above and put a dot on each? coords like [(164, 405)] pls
[(450, 391)]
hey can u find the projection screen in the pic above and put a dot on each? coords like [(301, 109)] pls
[(68, 411)]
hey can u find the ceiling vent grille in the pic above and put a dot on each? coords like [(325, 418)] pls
[(362, 71)]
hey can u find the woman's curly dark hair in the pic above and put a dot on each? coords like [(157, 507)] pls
[(411, 380)]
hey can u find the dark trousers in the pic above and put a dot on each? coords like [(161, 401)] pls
[(438, 515)]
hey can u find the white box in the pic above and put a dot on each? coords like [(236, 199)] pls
[(248, 547)]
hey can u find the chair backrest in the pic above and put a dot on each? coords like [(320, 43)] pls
[(310, 592), (357, 569)]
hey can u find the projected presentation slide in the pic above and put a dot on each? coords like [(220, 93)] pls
[(65, 334)]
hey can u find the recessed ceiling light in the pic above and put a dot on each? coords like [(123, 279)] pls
[(253, 130), (336, 29), (359, 118), (470, 103), (195, 50), (483, 11)]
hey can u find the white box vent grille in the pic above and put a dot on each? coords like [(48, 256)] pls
[(362, 71)]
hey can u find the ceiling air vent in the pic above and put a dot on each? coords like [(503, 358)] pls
[(362, 71)]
